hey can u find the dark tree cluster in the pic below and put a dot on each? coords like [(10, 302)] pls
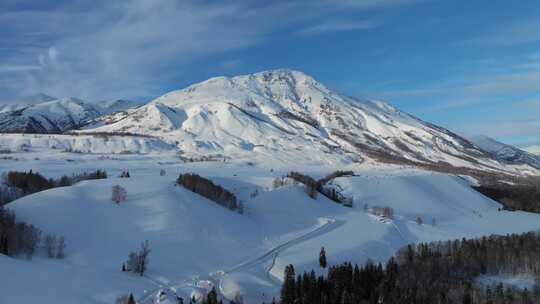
[(310, 183), (441, 272), (75, 178), (520, 195), (28, 182), (18, 238), (211, 191), (334, 175), (314, 186), (17, 184)]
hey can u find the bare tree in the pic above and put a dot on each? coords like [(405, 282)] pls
[(50, 245), (119, 194), (145, 251), (60, 248), (138, 261)]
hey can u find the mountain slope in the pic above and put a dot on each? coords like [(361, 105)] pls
[(54, 116), (290, 115), (48, 115), (116, 105), (506, 152), (22, 102)]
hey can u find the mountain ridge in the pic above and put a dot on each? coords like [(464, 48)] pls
[(288, 112)]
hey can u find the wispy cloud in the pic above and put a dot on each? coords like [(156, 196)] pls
[(511, 33), (104, 49), (336, 26), (18, 68)]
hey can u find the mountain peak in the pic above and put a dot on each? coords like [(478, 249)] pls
[(290, 116)]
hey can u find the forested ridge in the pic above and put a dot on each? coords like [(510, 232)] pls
[(439, 272)]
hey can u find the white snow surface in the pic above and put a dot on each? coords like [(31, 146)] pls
[(92, 144), (197, 244)]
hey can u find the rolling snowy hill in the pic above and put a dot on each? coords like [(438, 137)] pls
[(506, 153), (289, 115), (197, 244)]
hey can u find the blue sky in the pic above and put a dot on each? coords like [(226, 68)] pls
[(471, 66)]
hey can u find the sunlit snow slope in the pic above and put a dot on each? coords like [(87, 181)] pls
[(197, 244)]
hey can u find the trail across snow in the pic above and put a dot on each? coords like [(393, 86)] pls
[(327, 225)]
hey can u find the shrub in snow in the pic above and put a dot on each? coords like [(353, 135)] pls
[(162, 172), (125, 299), (383, 211), (238, 299), (119, 194), (125, 174), (279, 182), (138, 261), (419, 221)]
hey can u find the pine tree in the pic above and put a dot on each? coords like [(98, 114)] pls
[(288, 293), (131, 299), (322, 258)]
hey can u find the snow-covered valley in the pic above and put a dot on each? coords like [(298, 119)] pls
[(197, 244)]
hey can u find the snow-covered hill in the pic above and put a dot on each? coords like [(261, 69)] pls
[(506, 153), (54, 116), (197, 244), (289, 115), (48, 115)]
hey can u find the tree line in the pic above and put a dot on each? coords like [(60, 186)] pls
[(439, 272), (314, 186), (211, 191), (16, 184), (522, 194), (18, 238)]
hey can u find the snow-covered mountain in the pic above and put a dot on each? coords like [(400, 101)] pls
[(533, 149), (54, 116), (291, 113), (48, 115), (22, 102), (116, 105), (506, 153)]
